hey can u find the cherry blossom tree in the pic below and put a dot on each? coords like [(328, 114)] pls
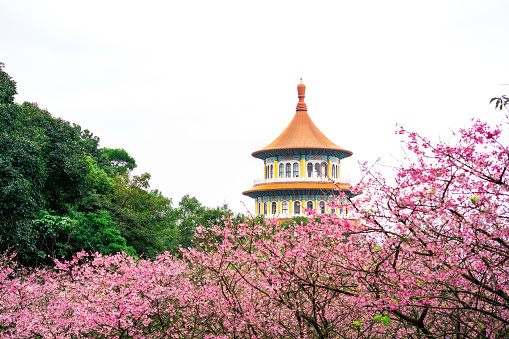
[(425, 257), (440, 262), (103, 297)]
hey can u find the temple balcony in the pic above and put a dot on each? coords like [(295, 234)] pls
[(285, 216)]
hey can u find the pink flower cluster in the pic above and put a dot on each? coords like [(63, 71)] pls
[(101, 297)]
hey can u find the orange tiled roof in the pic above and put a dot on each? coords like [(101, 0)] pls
[(301, 133), (294, 186)]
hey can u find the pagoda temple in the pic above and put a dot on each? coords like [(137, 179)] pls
[(301, 170)]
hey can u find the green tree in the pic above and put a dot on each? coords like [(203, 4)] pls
[(117, 160), (7, 87), (141, 215), (191, 213), (22, 176), (54, 236), (96, 232)]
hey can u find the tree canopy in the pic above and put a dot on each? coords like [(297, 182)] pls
[(7, 87)]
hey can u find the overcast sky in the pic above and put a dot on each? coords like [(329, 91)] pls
[(191, 88)]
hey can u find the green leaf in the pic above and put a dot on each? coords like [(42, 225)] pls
[(386, 320), (357, 323), (475, 199)]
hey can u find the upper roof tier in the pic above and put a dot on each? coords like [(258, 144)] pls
[(290, 188), (302, 137)]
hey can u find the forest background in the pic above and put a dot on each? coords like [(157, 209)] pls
[(61, 193)]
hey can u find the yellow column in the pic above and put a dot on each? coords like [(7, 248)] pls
[(302, 168), (316, 205), (329, 169), (290, 207), (276, 170), (339, 169), (302, 206), (264, 171), (327, 207), (256, 208), (279, 206)]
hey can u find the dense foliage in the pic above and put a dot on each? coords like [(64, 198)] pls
[(7, 87), (61, 193)]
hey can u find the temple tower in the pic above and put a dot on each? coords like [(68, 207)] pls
[(301, 170)]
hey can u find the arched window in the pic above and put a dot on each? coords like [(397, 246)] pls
[(271, 171), (288, 170), (296, 207), (317, 170), (265, 208), (322, 207), (284, 207), (309, 205), (281, 170), (295, 169), (324, 169), (310, 170), (273, 207)]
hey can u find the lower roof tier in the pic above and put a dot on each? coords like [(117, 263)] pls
[(292, 188)]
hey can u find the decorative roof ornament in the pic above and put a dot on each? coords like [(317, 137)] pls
[(301, 90)]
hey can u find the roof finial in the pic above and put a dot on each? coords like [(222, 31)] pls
[(301, 80), (301, 90)]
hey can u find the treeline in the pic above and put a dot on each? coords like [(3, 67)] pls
[(61, 193)]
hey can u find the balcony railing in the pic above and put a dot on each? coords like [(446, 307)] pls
[(302, 179), (342, 214)]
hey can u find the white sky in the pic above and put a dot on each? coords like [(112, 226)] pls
[(191, 88)]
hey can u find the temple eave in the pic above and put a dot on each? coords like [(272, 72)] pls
[(267, 153), (296, 188)]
